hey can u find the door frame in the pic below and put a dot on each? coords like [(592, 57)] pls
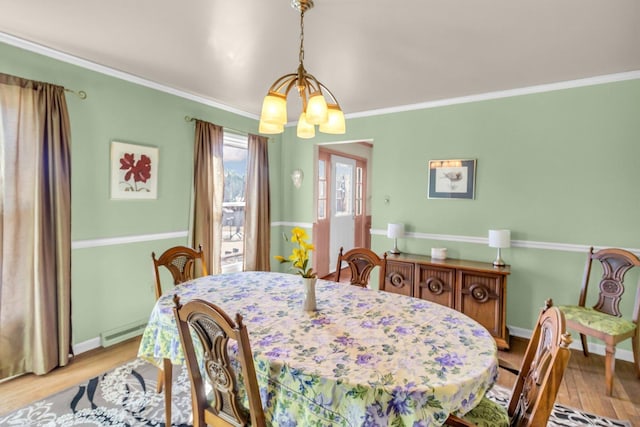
[(322, 227)]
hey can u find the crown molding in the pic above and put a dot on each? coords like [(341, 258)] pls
[(569, 84), (112, 72), (71, 59)]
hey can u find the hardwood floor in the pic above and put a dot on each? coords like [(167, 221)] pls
[(582, 386), (20, 391)]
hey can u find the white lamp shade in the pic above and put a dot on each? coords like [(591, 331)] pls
[(274, 109), (317, 109), (395, 230), (499, 238), (270, 128), (335, 124), (305, 129)]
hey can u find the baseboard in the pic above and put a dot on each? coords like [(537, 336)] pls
[(85, 346), (594, 347)]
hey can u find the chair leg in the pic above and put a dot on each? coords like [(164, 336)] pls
[(585, 346), (635, 343), (609, 367), (160, 380), (167, 369)]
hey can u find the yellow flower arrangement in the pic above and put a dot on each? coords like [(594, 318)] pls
[(300, 254)]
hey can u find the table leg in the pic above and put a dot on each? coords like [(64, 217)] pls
[(167, 369)]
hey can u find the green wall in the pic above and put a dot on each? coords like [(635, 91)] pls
[(558, 168), (112, 285)]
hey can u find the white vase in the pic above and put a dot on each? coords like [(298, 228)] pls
[(309, 293)]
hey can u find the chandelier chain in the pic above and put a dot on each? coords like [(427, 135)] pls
[(301, 55)]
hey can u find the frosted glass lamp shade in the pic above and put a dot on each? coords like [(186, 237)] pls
[(499, 238), (335, 122), (270, 128), (305, 129), (274, 109), (316, 109)]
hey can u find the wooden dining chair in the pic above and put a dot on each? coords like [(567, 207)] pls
[(213, 329), (361, 262), (538, 381), (181, 263), (604, 320)]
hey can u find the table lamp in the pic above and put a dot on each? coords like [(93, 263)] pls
[(393, 232), (499, 239)]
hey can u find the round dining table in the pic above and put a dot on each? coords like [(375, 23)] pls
[(364, 358)]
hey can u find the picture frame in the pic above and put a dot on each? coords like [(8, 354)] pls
[(452, 179), (134, 171)]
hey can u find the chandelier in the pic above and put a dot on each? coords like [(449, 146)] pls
[(316, 110)]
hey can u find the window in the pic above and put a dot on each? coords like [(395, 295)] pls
[(322, 190), (234, 157)]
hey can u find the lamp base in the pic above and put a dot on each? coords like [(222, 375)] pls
[(395, 250), (499, 262)]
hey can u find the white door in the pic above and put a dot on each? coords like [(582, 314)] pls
[(342, 209)]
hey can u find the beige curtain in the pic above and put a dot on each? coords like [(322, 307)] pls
[(208, 185), (257, 215), (35, 227)]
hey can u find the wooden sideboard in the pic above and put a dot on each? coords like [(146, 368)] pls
[(476, 289)]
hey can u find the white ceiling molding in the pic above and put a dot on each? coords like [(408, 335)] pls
[(64, 57), (102, 69)]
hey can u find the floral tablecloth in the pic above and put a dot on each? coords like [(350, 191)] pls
[(365, 358)]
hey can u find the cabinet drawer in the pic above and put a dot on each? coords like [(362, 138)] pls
[(435, 284), (481, 297), (399, 278)]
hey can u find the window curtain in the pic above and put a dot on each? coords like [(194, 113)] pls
[(208, 185), (35, 227), (257, 217)]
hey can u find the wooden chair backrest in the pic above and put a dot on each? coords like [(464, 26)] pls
[(361, 262), (542, 369), (615, 264), (214, 328), (180, 261)]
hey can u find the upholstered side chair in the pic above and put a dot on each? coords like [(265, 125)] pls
[(213, 329), (538, 381), (361, 262), (604, 320)]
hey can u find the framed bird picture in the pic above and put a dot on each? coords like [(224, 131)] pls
[(452, 179)]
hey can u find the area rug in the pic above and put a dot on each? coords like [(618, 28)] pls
[(126, 397)]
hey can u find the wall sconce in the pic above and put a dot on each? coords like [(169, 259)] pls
[(393, 232), (499, 239), (297, 176)]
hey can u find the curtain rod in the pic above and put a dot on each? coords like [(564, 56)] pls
[(80, 94), (242, 132)]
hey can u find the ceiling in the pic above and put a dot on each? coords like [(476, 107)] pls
[(371, 54)]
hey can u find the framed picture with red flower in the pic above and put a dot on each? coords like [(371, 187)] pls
[(134, 171)]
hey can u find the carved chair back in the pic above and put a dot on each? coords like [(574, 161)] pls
[(361, 262), (181, 263), (542, 369), (615, 265), (213, 329)]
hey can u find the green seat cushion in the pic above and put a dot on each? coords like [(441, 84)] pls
[(488, 414), (594, 319)]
